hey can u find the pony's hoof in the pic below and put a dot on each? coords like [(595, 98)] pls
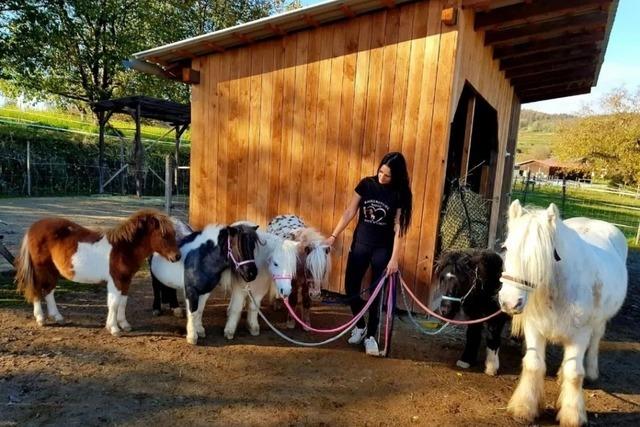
[(291, 324), (571, 417), (156, 312), (492, 371), (40, 321), (116, 332), (523, 413), (462, 364), (201, 333), (193, 340), (228, 335), (178, 312), (59, 320), (254, 331), (126, 327), (592, 374)]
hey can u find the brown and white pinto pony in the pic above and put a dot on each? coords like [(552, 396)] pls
[(54, 247)]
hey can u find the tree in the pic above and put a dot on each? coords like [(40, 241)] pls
[(608, 142), (72, 50)]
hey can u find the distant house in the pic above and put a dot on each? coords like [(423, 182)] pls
[(550, 168)]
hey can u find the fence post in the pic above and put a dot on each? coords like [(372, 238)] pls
[(564, 193), (168, 175), (28, 167), (638, 235)]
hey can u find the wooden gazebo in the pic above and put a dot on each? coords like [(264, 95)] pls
[(178, 116)]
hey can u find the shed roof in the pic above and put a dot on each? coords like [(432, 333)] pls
[(547, 48), (150, 108)]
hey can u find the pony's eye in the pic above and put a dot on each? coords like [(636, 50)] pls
[(275, 264)]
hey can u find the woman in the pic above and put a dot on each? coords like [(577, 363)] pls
[(384, 206)]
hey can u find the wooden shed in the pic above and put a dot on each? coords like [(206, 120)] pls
[(290, 111)]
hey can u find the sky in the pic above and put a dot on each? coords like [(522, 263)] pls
[(621, 66)]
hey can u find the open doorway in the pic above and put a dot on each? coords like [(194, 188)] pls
[(470, 173)]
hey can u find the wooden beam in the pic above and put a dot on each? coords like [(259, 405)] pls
[(310, 20), (347, 11), (157, 60), (214, 46), (519, 14), (190, 76), (562, 86), (549, 45), (476, 4), (547, 68), (553, 77), (545, 29), (186, 53), (545, 94), (243, 37), (449, 16), (388, 3), (546, 57), (276, 30), (468, 136)]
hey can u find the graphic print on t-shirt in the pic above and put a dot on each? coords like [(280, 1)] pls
[(375, 211)]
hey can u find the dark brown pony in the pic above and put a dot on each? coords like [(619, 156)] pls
[(54, 247)]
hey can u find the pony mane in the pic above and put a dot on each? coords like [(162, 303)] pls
[(126, 230), (530, 251), (309, 236)]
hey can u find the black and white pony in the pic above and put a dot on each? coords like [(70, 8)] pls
[(470, 281), (276, 260), (205, 255)]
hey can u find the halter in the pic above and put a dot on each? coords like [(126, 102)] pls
[(233, 259), (461, 300), (518, 283), (522, 284), (281, 276)]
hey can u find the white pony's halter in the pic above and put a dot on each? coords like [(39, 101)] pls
[(524, 285), (518, 283), (461, 300), (232, 258)]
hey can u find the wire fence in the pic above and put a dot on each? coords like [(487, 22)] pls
[(619, 206)]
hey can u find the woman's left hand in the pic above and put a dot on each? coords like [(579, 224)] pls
[(392, 267)]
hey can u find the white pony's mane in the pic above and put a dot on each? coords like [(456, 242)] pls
[(317, 260), (531, 247)]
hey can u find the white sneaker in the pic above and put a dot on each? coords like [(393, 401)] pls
[(357, 335), (371, 347)]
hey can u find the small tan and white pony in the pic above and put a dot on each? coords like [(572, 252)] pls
[(562, 280)]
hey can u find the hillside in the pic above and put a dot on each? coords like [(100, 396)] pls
[(537, 134)]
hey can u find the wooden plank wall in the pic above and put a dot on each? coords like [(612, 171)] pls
[(291, 125), (475, 64)]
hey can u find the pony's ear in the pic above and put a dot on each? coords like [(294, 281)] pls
[(515, 210), (255, 228), (553, 213)]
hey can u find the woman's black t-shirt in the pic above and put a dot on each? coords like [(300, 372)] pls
[(376, 219)]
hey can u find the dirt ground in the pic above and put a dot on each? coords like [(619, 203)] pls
[(78, 374)]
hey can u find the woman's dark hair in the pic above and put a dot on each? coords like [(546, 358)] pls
[(400, 183)]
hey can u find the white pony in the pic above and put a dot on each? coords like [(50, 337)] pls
[(279, 254), (563, 280)]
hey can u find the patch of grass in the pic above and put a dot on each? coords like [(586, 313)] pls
[(621, 210), (86, 123), (529, 143), (10, 298)]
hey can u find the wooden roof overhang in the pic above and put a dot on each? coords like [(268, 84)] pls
[(174, 113), (547, 48)]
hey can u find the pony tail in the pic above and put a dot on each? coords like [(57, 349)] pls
[(24, 272)]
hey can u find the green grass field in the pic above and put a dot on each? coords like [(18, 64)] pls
[(621, 210), (529, 142), (86, 124)]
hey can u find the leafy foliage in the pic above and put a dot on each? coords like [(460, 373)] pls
[(609, 142)]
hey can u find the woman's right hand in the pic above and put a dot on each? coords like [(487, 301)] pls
[(329, 241)]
